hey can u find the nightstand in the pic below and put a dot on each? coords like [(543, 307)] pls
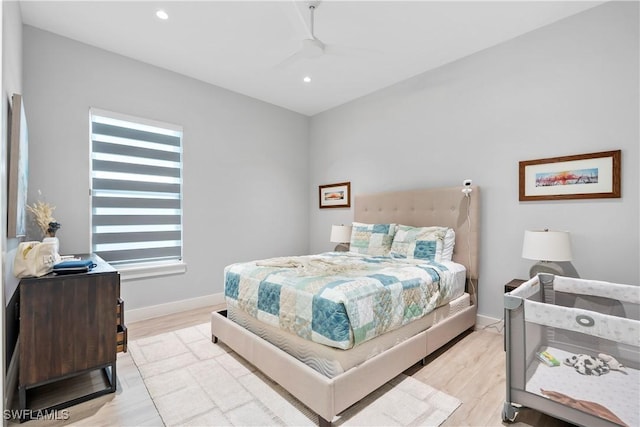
[(513, 284)]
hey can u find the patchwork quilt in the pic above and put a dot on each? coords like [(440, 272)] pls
[(339, 299)]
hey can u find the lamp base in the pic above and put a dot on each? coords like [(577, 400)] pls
[(564, 268), (342, 247)]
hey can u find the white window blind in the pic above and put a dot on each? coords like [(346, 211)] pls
[(136, 189)]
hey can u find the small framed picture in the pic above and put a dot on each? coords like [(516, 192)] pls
[(584, 176), (335, 195)]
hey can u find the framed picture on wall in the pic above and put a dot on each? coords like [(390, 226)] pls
[(335, 195), (18, 173), (583, 176)]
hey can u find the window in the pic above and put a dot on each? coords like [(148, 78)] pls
[(136, 190)]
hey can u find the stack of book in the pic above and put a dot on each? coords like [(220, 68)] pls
[(76, 265)]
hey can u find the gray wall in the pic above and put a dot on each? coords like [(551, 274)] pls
[(11, 83), (245, 161), (569, 88)]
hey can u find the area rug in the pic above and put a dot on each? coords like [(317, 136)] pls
[(194, 382)]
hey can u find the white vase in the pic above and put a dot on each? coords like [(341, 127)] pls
[(53, 240)]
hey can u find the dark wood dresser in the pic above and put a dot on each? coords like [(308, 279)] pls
[(69, 325)]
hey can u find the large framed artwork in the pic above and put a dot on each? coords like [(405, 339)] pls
[(583, 176), (18, 173), (335, 195)]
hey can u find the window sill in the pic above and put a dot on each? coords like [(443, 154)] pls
[(135, 272)]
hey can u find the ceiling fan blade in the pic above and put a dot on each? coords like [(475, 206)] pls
[(340, 50), (296, 18), (290, 60), (310, 47)]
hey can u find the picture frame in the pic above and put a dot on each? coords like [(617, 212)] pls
[(18, 171), (335, 195), (583, 176)]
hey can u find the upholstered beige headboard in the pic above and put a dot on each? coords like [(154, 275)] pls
[(446, 207)]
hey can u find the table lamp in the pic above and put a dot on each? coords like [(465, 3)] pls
[(552, 250), (341, 234)]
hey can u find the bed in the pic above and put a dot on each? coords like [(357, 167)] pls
[(329, 379), (573, 350)]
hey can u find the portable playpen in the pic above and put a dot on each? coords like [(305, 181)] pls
[(573, 350)]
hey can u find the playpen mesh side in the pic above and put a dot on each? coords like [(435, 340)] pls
[(585, 321)]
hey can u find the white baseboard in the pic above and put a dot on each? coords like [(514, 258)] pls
[(11, 380), (490, 324), (144, 313)]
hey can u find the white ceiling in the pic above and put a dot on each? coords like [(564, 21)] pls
[(239, 45)]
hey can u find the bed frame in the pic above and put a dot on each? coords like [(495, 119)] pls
[(328, 397)]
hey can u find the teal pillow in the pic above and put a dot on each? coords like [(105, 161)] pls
[(419, 242)]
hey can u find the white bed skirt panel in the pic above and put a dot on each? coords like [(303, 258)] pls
[(331, 361)]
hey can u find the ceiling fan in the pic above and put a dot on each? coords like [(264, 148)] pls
[(312, 47)]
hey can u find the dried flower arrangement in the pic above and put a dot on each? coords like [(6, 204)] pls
[(43, 215)]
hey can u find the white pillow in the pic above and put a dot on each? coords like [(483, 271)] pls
[(449, 243)]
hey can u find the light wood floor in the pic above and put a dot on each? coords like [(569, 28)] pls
[(472, 368)]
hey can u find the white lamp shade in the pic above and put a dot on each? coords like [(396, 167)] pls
[(340, 234), (545, 245)]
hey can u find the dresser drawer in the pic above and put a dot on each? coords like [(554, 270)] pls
[(120, 312), (121, 329), (121, 339)]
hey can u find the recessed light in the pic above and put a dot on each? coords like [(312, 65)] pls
[(306, 79), (161, 14)]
